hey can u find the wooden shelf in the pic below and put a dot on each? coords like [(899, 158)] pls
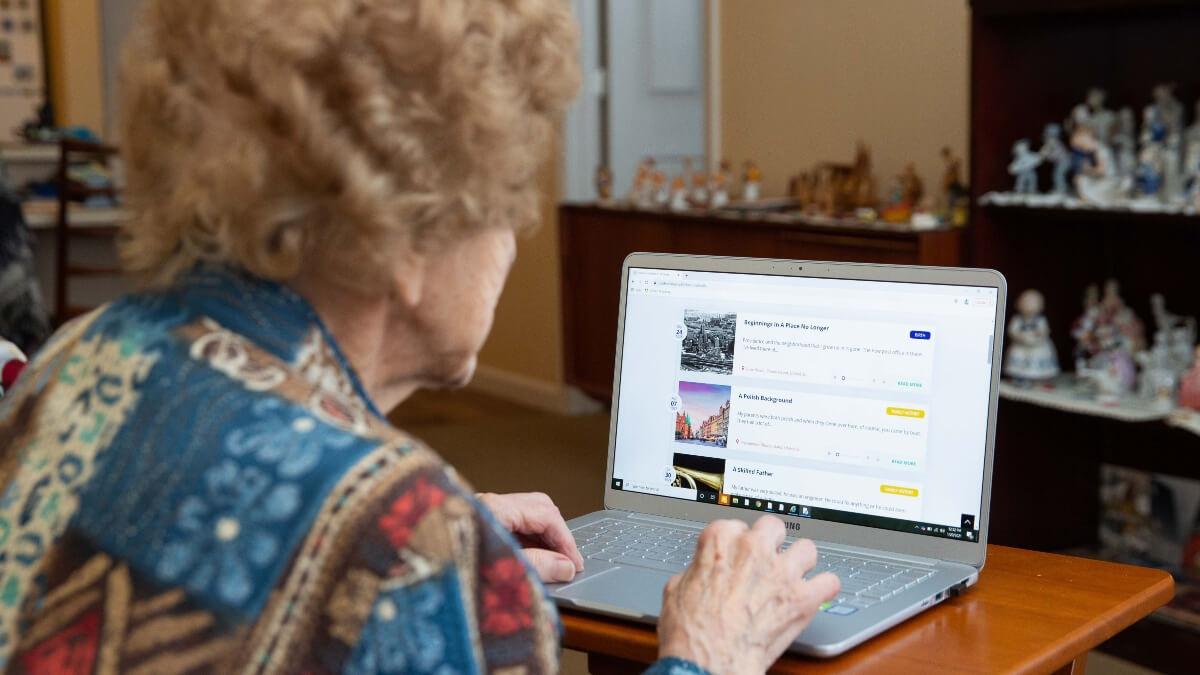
[(1067, 396), (1092, 214)]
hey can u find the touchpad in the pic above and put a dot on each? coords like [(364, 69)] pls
[(621, 590)]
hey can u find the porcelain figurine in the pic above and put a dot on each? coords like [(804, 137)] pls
[(803, 190), (679, 194), (604, 184), (1114, 374), (953, 188), (1154, 125), (1125, 149), (1055, 153), (719, 185), (1172, 158), (1169, 107), (1151, 171), (1108, 335), (1178, 332), (751, 181), (641, 193), (1084, 328), (1024, 168), (1096, 179), (1158, 378), (1118, 327), (659, 189), (1100, 119), (907, 192), (1030, 355), (1189, 385), (699, 195)]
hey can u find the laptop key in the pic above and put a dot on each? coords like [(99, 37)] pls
[(644, 562), (876, 593), (861, 602)]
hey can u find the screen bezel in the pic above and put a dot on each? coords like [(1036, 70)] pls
[(970, 553)]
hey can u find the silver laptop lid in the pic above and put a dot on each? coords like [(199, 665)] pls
[(857, 402)]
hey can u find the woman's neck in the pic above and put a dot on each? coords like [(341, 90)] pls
[(371, 339)]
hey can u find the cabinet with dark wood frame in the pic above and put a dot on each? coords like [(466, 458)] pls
[(1031, 62)]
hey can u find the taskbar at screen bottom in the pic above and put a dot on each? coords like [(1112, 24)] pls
[(967, 529)]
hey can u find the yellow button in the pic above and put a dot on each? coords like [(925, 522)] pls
[(907, 412), (897, 490)]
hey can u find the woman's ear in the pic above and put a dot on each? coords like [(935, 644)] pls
[(408, 272)]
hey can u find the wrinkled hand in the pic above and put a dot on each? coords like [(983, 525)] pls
[(543, 533), (741, 602)]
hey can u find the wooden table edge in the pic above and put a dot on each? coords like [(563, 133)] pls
[(1079, 642), (633, 641)]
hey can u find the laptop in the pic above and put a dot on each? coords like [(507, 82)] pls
[(856, 402)]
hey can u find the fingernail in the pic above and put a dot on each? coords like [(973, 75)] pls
[(564, 570)]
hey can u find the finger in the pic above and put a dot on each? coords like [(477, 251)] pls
[(496, 504), (770, 531), (800, 557), (823, 587), (541, 518), (552, 567), (721, 531)]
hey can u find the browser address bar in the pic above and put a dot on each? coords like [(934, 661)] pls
[(841, 299)]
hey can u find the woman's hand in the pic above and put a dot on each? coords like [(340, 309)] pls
[(540, 528), (741, 602)]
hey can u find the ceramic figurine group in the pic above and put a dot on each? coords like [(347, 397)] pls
[(1099, 158), (1111, 353), (849, 189), (690, 189)]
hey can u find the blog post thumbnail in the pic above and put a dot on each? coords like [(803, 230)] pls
[(703, 418), (708, 345)]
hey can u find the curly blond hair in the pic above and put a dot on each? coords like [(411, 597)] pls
[(289, 135)]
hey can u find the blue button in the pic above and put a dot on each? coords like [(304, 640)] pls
[(919, 335)]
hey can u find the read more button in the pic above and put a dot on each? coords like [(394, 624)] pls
[(899, 490), (915, 413)]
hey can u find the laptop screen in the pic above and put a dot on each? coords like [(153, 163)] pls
[(859, 402)]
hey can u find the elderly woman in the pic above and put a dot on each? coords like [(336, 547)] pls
[(200, 477)]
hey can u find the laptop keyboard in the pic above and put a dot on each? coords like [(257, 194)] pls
[(865, 581)]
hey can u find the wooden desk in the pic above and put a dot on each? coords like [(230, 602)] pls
[(1030, 613)]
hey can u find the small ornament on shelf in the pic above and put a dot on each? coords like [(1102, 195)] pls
[(955, 202), (679, 194), (660, 192), (1030, 357), (907, 191), (604, 184), (699, 196), (642, 193), (719, 185), (1024, 168), (1096, 179), (1055, 153), (1158, 378), (751, 182), (1108, 335), (1177, 332), (1189, 385)]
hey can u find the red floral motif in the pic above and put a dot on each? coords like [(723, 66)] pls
[(71, 651), (507, 597), (408, 509)]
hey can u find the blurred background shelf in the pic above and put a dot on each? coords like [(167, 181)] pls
[(1065, 393)]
